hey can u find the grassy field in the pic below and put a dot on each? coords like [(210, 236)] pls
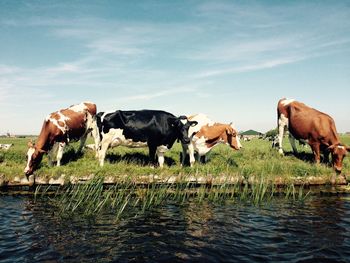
[(256, 159)]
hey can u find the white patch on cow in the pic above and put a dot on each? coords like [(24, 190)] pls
[(237, 137), (114, 138), (202, 120), (60, 150), (117, 138), (62, 118), (200, 146), (239, 142), (90, 122), (79, 107), (104, 115), (183, 121), (341, 147), (30, 153), (95, 134), (283, 120), (287, 101)]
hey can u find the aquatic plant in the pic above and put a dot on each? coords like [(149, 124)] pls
[(91, 198)]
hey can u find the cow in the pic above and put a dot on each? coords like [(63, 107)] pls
[(155, 129), (207, 134), (59, 128), (6, 146), (315, 127)]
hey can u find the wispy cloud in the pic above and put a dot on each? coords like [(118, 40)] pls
[(157, 94), (250, 67), (5, 69)]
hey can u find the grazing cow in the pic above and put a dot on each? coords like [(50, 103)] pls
[(60, 127), (314, 127), (5, 146), (205, 135), (156, 129)]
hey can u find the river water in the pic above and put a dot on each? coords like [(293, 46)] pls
[(317, 230)]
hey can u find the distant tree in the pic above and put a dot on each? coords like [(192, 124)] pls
[(271, 133)]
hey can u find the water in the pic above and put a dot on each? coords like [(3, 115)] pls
[(317, 230)]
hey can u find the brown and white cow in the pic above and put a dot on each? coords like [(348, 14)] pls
[(207, 134), (60, 127), (315, 127)]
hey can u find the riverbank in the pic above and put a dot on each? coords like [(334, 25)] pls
[(257, 162)]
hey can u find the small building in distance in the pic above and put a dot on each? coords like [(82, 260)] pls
[(250, 134)]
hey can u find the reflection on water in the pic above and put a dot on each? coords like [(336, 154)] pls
[(315, 231)]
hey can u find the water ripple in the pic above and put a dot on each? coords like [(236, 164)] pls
[(314, 231)]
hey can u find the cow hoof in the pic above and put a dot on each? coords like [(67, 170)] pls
[(280, 152)]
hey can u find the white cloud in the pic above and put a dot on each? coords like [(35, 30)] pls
[(250, 67), (116, 47), (5, 70), (162, 93)]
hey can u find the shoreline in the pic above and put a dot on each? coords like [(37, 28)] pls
[(153, 179)]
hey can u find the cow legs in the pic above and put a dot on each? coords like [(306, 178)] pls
[(292, 142), (316, 150), (152, 154), (160, 153), (82, 142), (184, 153), (191, 154), (325, 154), (60, 149), (95, 134), (188, 149), (103, 149), (282, 122)]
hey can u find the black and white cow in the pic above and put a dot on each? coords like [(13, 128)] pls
[(153, 128)]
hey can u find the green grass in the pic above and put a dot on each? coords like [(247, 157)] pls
[(257, 163), (255, 160)]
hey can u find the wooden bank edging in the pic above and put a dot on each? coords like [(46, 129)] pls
[(173, 179)]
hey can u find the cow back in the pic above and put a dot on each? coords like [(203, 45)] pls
[(141, 125)]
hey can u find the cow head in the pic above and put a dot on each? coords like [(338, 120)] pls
[(34, 157), (181, 125), (232, 138), (338, 153)]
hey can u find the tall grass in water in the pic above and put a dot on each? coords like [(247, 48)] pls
[(93, 197)]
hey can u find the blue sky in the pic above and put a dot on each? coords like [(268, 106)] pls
[(232, 60)]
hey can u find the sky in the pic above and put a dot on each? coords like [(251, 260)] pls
[(232, 60)]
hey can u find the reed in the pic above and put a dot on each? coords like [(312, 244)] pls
[(257, 163), (92, 198)]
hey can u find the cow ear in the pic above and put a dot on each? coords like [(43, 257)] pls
[(193, 123), (347, 148)]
